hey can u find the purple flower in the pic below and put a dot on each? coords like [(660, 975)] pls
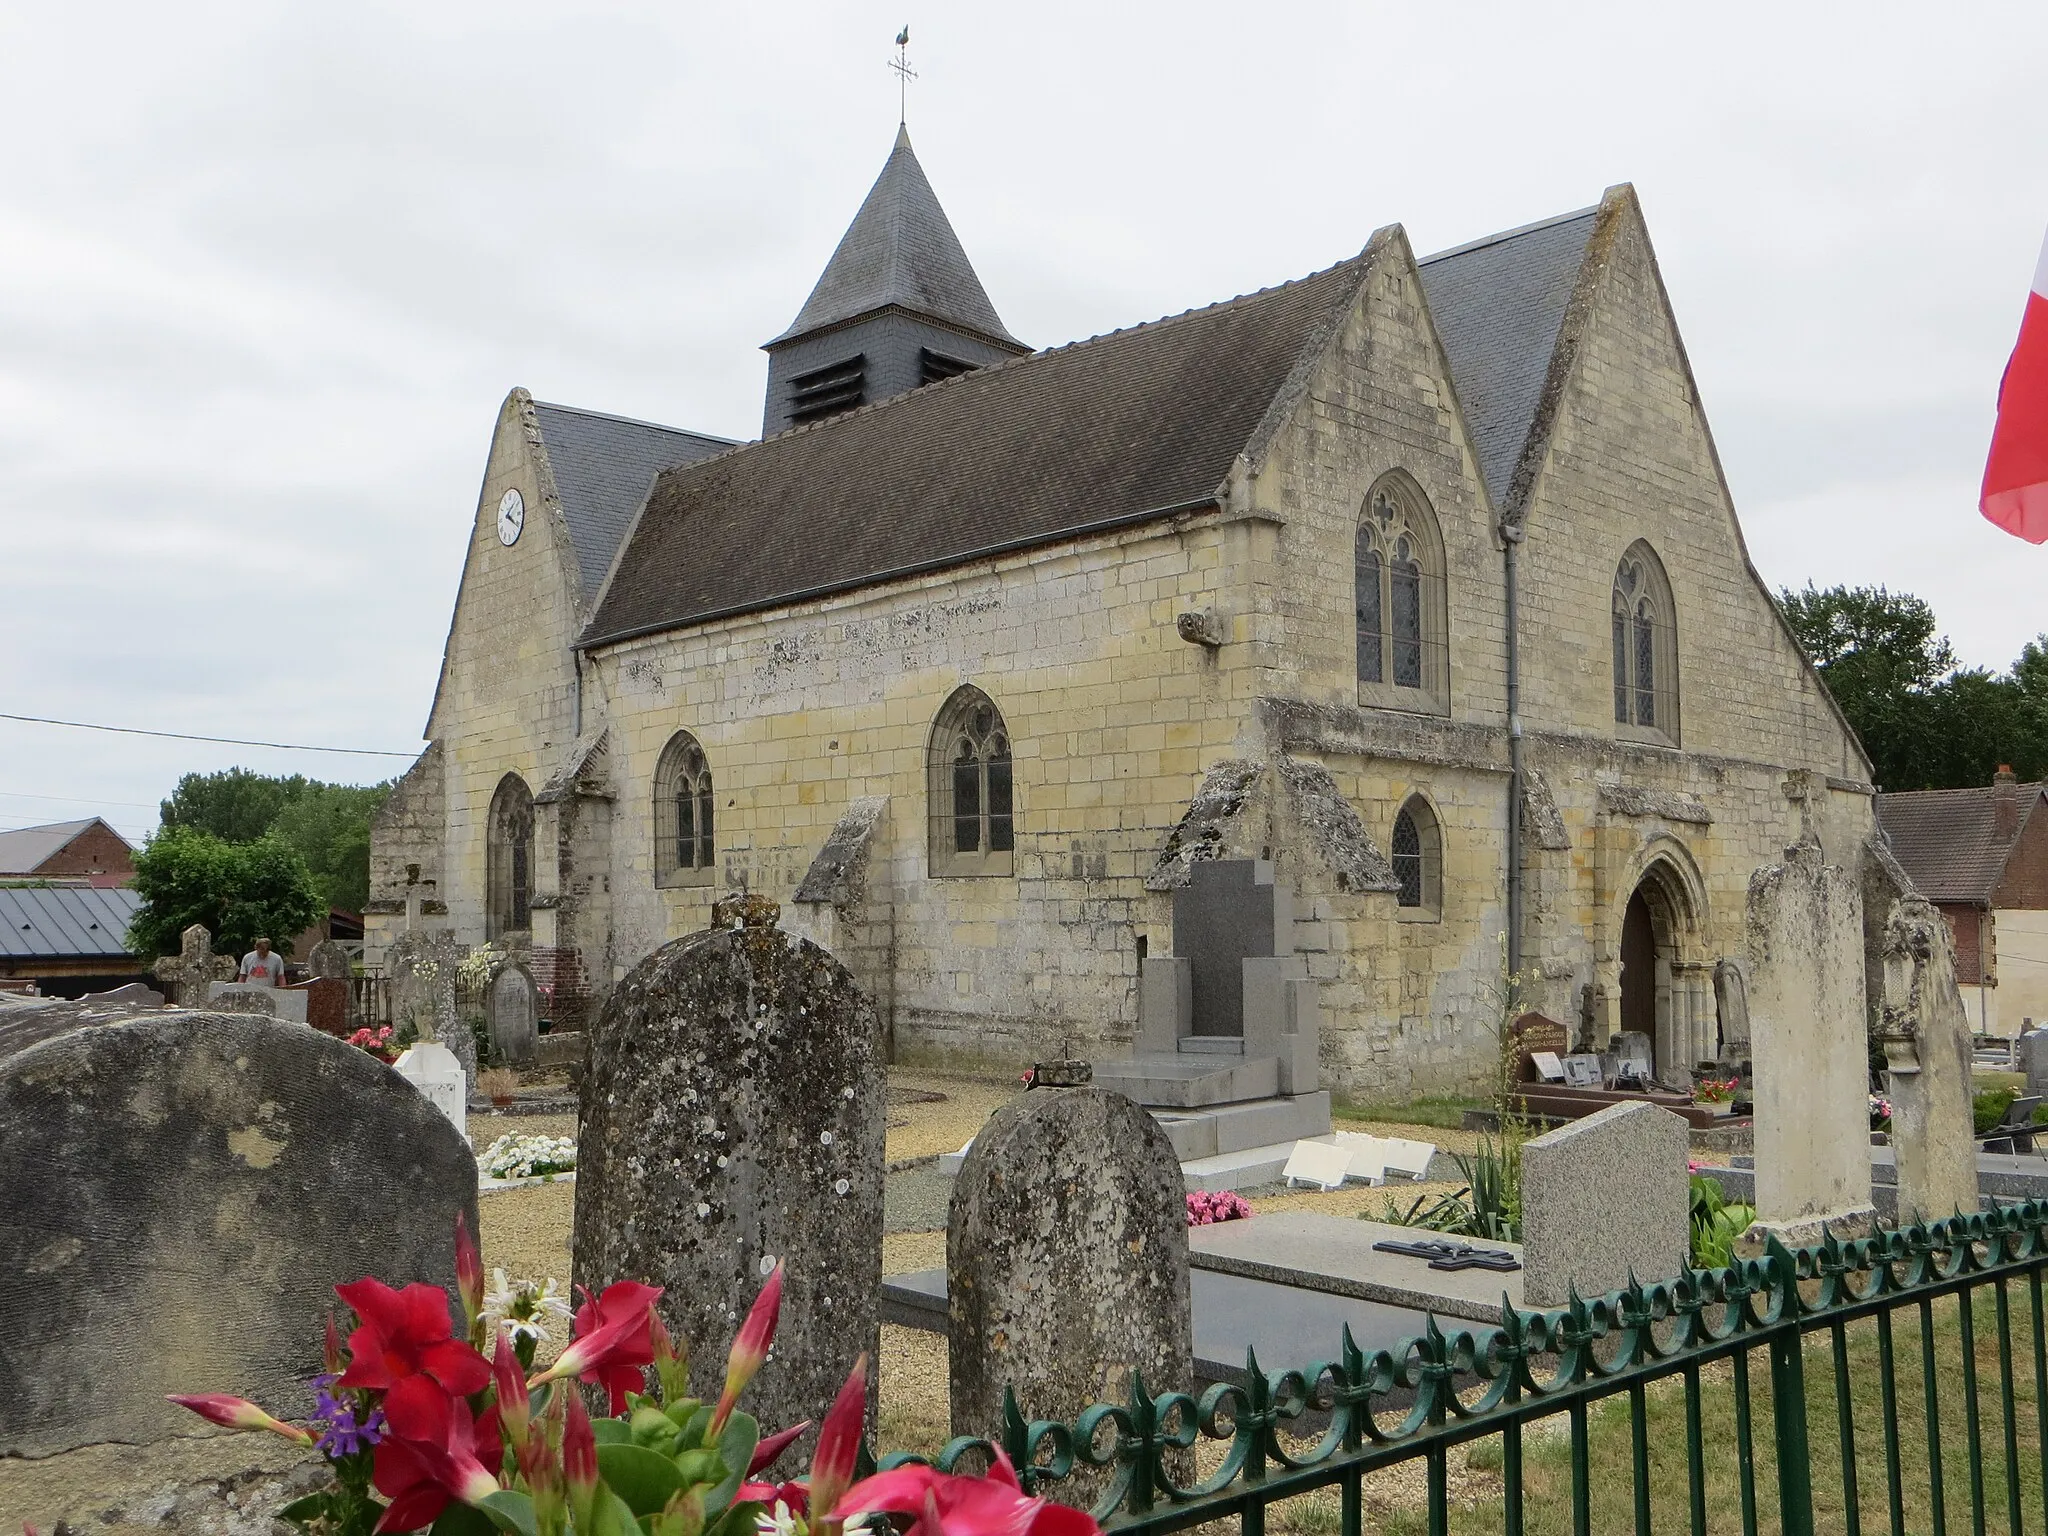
[(342, 1434)]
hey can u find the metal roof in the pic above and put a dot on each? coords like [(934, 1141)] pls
[(51, 921)]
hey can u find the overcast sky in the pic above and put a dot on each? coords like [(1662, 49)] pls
[(266, 273)]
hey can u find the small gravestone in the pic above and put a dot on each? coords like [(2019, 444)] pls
[(2033, 1052), (1603, 1198), (287, 1003), (1066, 1260), (1731, 1007), (513, 1015), (329, 960), (1810, 1041), (328, 1000), (1924, 1030), (183, 1191), (434, 1070), (131, 995), (422, 968), (194, 968), (733, 1103)]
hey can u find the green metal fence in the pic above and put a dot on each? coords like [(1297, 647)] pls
[(1570, 1405)]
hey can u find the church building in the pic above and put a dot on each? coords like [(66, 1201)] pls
[(1417, 577)]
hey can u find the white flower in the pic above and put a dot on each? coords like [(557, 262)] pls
[(522, 1306), (780, 1523), (514, 1156)]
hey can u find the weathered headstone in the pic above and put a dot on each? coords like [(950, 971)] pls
[(2033, 1059), (512, 1009), (329, 959), (287, 1003), (1731, 1007), (1925, 1033), (1810, 1042), (193, 969), (733, 1105), (422, 967), (183, 1191), (328, 1003), (1603, 1198), (435, 1071), (1066, 1260), (129, 995)]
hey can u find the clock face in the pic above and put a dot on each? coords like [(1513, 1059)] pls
[(511, 518)]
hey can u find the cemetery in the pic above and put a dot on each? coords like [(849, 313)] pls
[(729, 1151)]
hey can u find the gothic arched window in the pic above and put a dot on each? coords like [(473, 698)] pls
[(1645, 640), (1399, 607), (1418, 859), (684, 852), (973, 819), (508, 860)]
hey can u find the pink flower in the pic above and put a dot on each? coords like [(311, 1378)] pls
[(469, 1272), (614, 1341), (839, 1441), (946, 1505), (407, 1333), (579, 1461), (430, 1455), (239, 1413), (772, 1446), (750, 1347)]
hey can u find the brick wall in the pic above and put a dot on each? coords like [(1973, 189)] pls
[(2025, 883), (99, 854)]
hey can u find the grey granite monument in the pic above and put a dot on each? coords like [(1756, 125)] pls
[(1603, 1198), (732, 1117), (1066, 1260)]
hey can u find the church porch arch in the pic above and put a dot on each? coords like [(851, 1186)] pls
[(1662, 971)]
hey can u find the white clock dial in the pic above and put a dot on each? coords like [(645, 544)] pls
[(511, 518)]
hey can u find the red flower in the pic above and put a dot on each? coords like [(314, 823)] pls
[(839, 1441), (750, 1347), (469, 1271), (579, 1461), (514, 1409), (613, 1343), (946, 1505), (407, 1333), (772, 1446), (429, 1456), (238, 1413)]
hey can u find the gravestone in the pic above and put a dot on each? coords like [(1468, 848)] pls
[(183, 1191), (733, 1102), (437, 1074), (1809, 1040), (422, 967), (1602, 1198), (512, 1011), (1925, 1033), (1066, 1260), (1533, 1033), (2033, 1054), (1731, 1008), (131, 994), (329, 960), (1230, 911), (194, 968), (287, 1003), (328, 1003)]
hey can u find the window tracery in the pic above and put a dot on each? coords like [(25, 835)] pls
[(972, 788), (685, 851), (1399, 610)]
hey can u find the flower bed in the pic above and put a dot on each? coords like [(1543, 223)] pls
[(516, 1156)]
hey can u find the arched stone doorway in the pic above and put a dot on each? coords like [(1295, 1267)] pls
[(1666, 983)]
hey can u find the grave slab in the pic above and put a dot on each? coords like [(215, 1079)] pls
[(1335, 1254)]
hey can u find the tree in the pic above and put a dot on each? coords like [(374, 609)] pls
[(235, 805), (329, 826), (240, 891)]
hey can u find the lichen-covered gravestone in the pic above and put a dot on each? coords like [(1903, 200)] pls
[(183, 1191), (1066, 1260), (1809, 1039), (422, 968), (514, 1014), (1604, 1198), (733, 1107), (192, 971)]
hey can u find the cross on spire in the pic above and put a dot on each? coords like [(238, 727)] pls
[(904, 74)]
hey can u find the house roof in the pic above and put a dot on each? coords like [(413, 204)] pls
[(1066, 441), (1947, 839), (900, 250), (25, 849), (59, 921), (1047, 446), (603, 466), (1499, 304)]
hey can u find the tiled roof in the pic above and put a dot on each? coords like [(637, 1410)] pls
[(46, 921), (603, 466), (1134, 422), (23, 850), (1947, 839), (900, 249), (1499, 304)]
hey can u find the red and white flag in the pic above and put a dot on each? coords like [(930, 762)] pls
[(2015, 492)]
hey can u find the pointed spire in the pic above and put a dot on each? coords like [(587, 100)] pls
[(901, 251)]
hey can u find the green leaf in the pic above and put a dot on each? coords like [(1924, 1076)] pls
[(461, 1520), (312, 1507), (696, 1424), (736, 1450), (612, 1516), (682, 1410), (642, 1477), (510, 1511), (654, 1429), (611, 1431), (702, 1465), (737, 1521)]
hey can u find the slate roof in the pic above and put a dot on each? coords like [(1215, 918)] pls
[(49, 921), (1499, 303), (24, 850), (1947, 840), (603, 466), (900, 249), (1121, 426)]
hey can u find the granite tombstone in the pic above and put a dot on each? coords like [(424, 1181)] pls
[(733, 1104), (1603, 1198)]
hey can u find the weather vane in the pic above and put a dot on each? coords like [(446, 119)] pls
[(904, 74)]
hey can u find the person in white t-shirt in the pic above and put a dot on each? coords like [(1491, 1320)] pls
[(261, 968)]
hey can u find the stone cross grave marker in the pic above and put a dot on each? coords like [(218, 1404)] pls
[(221, 1172), (1809, 1040), (193, 969), (1066, 1260), (1602, 1198), (733, 1117), (513, 1013)]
